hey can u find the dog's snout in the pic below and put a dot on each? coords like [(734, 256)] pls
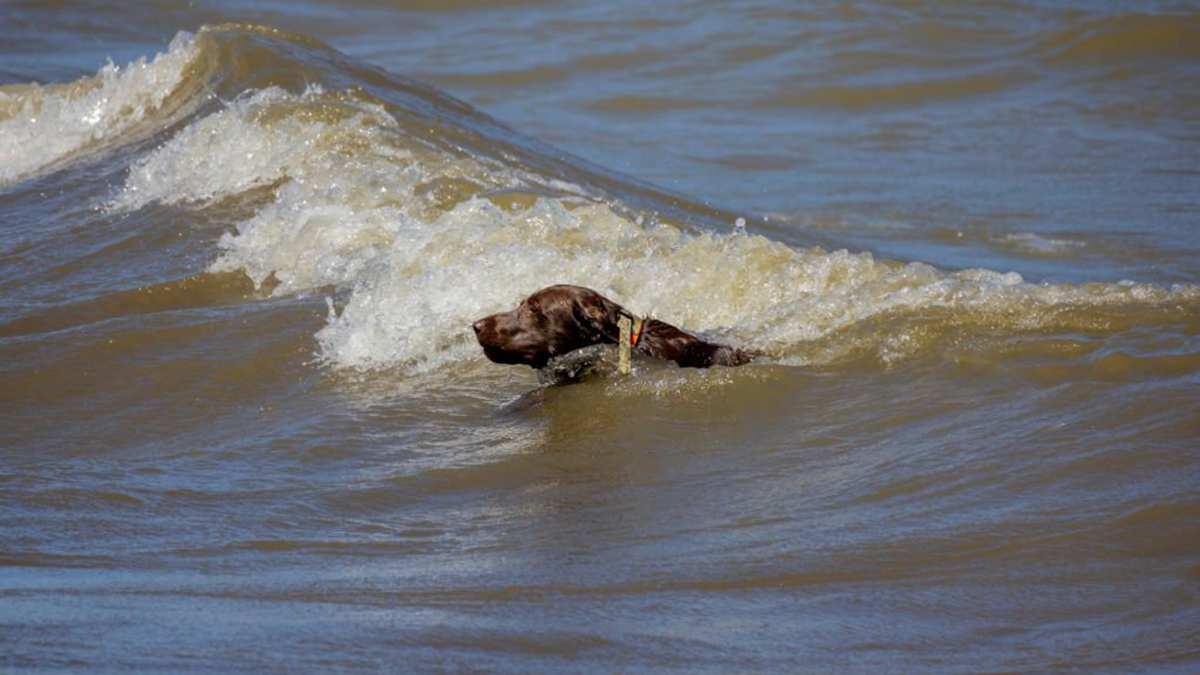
[(479, 326)]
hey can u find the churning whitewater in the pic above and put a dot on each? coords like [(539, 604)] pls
[(46, 126)]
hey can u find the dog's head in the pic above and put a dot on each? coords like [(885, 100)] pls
[(553, 321)]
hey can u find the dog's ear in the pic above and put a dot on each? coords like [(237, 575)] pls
[(597, 320)]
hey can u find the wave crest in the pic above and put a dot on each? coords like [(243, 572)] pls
[(43, 126)]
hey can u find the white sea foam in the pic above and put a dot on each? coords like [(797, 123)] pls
[(256, 140), (45, 124)]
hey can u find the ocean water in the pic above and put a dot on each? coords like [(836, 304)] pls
[(245, 425)]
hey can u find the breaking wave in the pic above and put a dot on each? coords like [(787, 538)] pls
[(416, 214), (43, 126)]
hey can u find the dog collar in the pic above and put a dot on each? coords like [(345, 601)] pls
[(635, 325), (631, 332)]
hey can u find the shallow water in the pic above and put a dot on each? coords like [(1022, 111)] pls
[(244, 425)]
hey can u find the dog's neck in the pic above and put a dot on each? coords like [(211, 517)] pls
[(664, 341)]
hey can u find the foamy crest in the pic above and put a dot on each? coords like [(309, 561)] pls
[(417, 281), (415, 300), (355, 203), (41, 125), (256, 140)]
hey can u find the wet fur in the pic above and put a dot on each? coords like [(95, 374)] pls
[(560, 319)]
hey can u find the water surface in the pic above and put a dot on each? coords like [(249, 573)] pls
[(244, 425)]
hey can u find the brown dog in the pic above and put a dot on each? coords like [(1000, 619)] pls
[(560, 319)]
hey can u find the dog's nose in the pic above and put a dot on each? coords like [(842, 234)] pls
[(479, 326)]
